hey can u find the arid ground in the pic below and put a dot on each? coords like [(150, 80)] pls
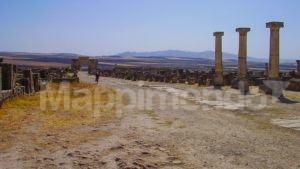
[(219, 129)]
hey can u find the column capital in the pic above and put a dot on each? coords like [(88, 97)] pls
[(218, 34), (243, 31), (274, 25)]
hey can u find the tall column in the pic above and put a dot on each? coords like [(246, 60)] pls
[(273, 73), (298, 67), (242, 71), (273, 85), (218, 81)]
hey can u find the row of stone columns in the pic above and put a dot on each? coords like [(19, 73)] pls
[(273, 70)]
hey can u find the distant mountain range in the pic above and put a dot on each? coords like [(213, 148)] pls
[(186, 54), (205, 55), (39, 55)]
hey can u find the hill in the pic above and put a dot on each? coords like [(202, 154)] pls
[(186, 54)]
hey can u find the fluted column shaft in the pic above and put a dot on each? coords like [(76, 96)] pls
[(242, 66), (218, 58), (273, 73)]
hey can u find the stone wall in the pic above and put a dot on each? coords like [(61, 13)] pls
[(17, 82)]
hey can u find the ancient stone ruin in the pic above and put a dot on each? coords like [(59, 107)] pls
[(17, 81), (92, 64), (269, 81)]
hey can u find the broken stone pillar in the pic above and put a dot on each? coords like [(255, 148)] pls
[(7, 76), (14, 80), (218, 80), (36, 82), (25, 82), (298, 68), (44, 74), (28, 75), (273, 73)]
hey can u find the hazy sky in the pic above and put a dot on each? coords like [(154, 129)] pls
[(104, 27)]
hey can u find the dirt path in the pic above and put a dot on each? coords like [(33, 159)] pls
[(168, 136)]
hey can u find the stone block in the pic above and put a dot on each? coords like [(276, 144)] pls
[(7, 76), (29, 75), (294, 85), (273, 87), (36, 82), (44, 74), (25, 82)]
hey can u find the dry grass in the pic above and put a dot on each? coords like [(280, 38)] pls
[(24, 112), (261, 122)]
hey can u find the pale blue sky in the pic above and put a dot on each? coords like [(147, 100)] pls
[(104, 27)]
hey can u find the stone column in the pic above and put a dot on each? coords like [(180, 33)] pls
[(242, 71), (273, 73), (36, 81), (0, 80), (218, 81), (273, 85), (298, 68), (27, 73), (7, 76)]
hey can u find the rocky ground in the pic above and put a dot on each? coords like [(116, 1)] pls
[(215, 133)]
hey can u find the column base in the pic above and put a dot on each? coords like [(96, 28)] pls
[(241, 84), (218, 81), (217, 87), (273, 87)]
